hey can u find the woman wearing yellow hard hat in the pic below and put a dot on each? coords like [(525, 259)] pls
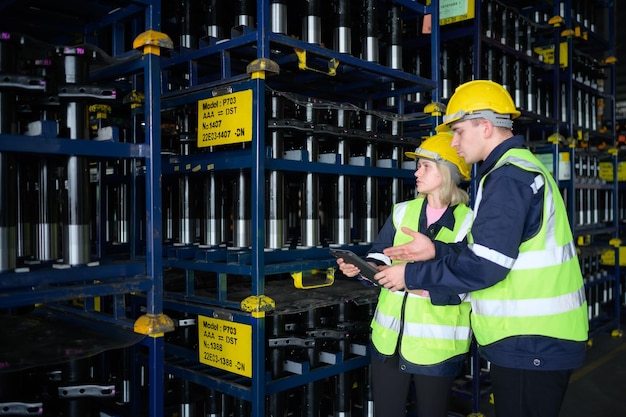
[(419, 335)]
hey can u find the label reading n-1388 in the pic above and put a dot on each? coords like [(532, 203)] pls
[(225, 119), (225, 345)]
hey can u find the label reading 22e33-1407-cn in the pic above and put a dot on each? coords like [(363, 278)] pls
[(225, 119)]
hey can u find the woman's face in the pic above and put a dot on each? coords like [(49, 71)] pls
[(428, 177)]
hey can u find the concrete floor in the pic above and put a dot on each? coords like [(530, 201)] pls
[(598, 389)]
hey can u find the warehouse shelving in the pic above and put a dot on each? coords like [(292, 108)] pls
[(86, 294), (238, 280), (140, 282), (304, 327)]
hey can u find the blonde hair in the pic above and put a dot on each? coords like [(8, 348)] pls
[(450, 193)]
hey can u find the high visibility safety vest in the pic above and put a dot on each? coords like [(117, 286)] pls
[(429, 334), (544, 293)]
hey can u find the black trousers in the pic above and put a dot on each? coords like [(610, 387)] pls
[(391, 388), (527, 393)]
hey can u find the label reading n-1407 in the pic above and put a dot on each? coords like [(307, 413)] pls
[(225, 345), (225, 119)]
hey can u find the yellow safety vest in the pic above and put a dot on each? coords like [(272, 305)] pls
[(544, 293), (430, 334)]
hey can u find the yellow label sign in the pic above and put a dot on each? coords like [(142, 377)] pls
[(547, 53), (451, 11), (225, 345), (225, 119)]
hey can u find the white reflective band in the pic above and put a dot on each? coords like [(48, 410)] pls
[(380, 257), (465, 227), (387, 321), (536, 186), (531, 307), (492, 255), (436, 331), (549, 257), (398, 213)]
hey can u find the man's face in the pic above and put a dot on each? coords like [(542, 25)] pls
[(468, 140)]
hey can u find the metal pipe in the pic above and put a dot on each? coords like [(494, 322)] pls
[(213, 403), (76, 231), (276, 223), (369, 221), (278, 16), (446, 81), (369, 42), (185, 17), (394, 50), (8, 179), (187, 208), (47, 225), (312, 22), (341, 210), (214, 10), (212, 210), (242, 210), (519, 83), (342, 39), (310, 228), (531, 88), (245, 13)]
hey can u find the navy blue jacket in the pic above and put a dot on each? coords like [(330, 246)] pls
[(509, 214)]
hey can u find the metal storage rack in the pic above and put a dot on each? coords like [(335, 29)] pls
[(64, 68), (244, 283), (136, 274)]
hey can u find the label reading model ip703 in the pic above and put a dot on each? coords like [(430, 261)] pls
[(225, 119), (225, 345)]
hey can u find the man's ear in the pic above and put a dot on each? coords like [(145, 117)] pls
[(487, 127)]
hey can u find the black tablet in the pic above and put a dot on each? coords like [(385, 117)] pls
[(349, 257)]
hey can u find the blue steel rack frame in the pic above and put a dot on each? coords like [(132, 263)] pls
[(260, 44), (86, 22)]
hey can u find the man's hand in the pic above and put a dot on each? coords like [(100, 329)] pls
[(420, 249), (392, 277)]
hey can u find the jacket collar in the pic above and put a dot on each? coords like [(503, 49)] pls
[(516, 141)]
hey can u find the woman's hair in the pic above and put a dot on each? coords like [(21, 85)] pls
[(450, 192)]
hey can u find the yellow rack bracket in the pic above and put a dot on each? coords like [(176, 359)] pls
[(258, 305), (556, 138), (152, 42), (261, 67), (435, 108), (615, 242), (328, 278), (610, 60), (154, 325), (556, 21), (333, 64)]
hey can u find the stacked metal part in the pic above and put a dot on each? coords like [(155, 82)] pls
[(49, 216), (599, 285)]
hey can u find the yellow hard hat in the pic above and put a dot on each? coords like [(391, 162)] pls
[(481, 99), (438, 149)]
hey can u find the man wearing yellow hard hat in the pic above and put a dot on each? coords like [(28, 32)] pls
[(529, 313)]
